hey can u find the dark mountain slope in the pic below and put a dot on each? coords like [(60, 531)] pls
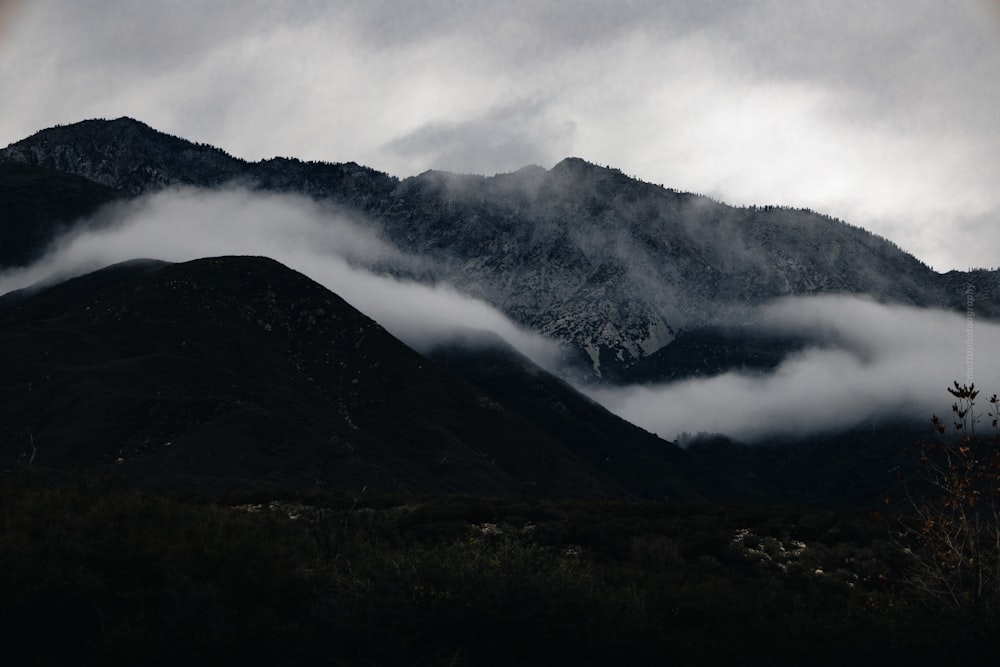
[(858, 468), (550, 405), (239, 371), (713, 350), (126, 155), (37, 204)]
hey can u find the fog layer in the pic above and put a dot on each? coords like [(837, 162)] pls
[(878, 362), (187, 223)]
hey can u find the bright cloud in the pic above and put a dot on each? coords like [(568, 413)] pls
[(187, 223), (885, 362)]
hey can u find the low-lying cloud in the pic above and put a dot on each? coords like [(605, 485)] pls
[(182, 224), (878, 362)]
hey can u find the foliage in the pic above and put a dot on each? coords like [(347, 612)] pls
[(953, 531), (91, 573)]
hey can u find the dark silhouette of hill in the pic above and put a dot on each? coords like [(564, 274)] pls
[(237, 372), (556, 409), (852, 469), (713, 350), (37, 204)]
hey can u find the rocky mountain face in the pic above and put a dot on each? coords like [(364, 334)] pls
[(612, 267), (238, 372), (619, 267)]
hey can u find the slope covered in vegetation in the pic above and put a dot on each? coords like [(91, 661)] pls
[(93, 574)]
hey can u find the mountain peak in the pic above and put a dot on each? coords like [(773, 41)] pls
[(572, 164), (580, 171), (125, 154), (93, 129), (609, 264)]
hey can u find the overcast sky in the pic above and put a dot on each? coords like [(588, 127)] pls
[(881, 113)]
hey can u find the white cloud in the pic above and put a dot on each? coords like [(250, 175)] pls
[(887, 362), (186, 223)]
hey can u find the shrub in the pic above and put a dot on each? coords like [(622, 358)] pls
[(953, 531)]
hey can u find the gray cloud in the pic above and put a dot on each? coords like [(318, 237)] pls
[(502, 140), (878, 113), (887, 362)]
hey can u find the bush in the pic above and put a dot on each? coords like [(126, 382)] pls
[(953, 530)]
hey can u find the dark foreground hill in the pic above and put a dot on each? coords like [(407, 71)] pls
[(237, 372), (37, 204)]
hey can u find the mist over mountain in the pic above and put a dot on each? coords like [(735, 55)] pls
[(683, 315), (611, 267)]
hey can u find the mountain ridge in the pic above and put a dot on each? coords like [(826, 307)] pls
[(643, 284), (611, 267), (39, 204)]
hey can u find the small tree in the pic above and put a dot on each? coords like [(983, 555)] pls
[(953, 530)]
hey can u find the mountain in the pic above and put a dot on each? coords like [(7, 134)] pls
[(236, 372), (132, 157), (619, 268), (38, 204), (859, 468), (640, 283), (713, 350), (124, 154), (552, 406), (614, 268)]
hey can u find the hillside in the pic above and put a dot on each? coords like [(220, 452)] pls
[(238, 372), (38, 205)]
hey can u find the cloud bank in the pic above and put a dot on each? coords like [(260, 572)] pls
[(881, 362), (182, 224), (877, 361)]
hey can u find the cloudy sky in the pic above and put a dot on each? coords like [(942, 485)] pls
[(880, 113)]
